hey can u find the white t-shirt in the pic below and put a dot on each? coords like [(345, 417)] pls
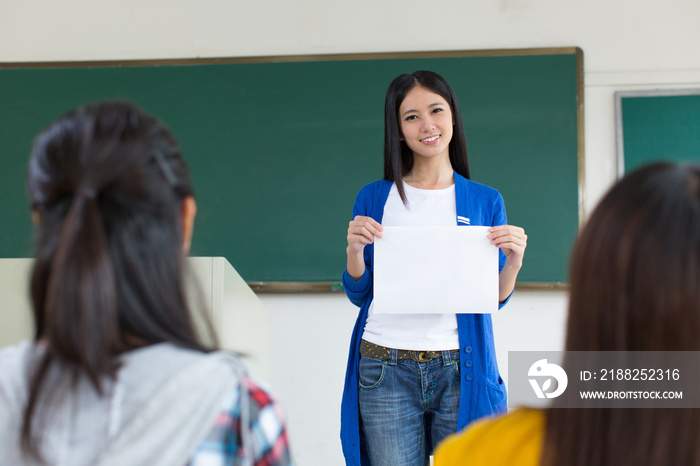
[(427, 332)]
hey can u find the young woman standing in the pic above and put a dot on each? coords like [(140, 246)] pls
[(414, 379)]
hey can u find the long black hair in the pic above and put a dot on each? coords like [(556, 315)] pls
[(398, 157), (107, 184)]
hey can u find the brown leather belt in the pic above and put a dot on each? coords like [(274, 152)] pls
[(382, 352)]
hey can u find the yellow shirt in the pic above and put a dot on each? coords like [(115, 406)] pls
[(512, 439)]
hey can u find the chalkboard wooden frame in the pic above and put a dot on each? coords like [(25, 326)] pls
[(620, 121), (325, 286)]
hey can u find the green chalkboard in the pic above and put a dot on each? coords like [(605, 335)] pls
[(279, 147), (659, 125)]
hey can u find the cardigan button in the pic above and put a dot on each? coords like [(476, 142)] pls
[(467, 349), (468, 363), (469, 377)]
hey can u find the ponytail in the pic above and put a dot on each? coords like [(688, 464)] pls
[(81, 324), (81, 308)]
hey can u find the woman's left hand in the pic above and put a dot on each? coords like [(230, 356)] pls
[(512, 240)]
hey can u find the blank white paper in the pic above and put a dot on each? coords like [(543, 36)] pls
[(435, 270)]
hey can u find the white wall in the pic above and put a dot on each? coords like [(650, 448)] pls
[(627, 44)]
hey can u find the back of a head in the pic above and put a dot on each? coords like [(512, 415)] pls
[(634, 277), (106, 183), (636, 266)]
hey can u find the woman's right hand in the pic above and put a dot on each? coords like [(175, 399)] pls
[(361, 232)]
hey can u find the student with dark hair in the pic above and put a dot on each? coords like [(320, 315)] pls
[(116, 373), (634, 278), (405, 387)]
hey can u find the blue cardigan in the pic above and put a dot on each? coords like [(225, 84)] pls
[(482, 389)]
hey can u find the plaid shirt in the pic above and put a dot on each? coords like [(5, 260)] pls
[(222, 446)]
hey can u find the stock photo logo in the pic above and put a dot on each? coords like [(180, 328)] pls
[(544, 373)]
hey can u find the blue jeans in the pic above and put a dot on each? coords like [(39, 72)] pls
[(407, 407)]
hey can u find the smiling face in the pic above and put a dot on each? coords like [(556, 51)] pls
[(426, 123)]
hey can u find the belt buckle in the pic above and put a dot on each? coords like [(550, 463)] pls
[(420, 356)]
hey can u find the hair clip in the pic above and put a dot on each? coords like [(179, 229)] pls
[(167, 172)]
